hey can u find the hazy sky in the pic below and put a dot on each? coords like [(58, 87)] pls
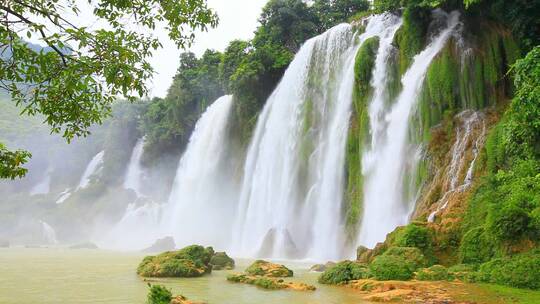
[(237, 20)]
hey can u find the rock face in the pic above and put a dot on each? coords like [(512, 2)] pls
[(164, 244), (267, 269), (221, 261), (322, 267), (191, 261)]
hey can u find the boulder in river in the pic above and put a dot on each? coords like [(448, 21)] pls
[(221, 261), (322, 267), (267, 269), (191, 261)]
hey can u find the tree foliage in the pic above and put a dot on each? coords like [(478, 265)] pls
[(75, 78)]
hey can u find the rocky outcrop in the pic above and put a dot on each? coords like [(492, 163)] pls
[(191, 261), (322, 267), (221, 261), (164, 244)]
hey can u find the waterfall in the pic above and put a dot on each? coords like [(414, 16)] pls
[(390, 154), (201, 204), (135, 174), (459, 175), (48, 233), (292, 190), (63, 196), (93, 167)]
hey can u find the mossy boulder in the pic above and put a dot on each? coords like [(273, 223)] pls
[(434, 273), (191, 261), (343, 272), (397, 263), (221, 261), (267, 269)]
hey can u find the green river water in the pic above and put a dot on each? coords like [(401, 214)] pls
[(55, 275)]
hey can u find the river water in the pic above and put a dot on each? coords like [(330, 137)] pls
[(56, 275)]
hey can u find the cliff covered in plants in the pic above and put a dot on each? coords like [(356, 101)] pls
[(475, 190)]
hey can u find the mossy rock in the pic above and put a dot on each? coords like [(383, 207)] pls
[(220, 261), (267, 269), (343, 272), (434, 273), (269, 282), (191, 261)]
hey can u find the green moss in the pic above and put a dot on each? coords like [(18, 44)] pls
[(476, 247), (411, 37), (359, 132), (191, 261), (344, 272)]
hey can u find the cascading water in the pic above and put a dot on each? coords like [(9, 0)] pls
[(390, 154), (48, 233), (93, 167), (135, 173), (201, 204), (290, 204), (459, 175)]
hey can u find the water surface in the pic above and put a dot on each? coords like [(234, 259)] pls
[(55, 275)]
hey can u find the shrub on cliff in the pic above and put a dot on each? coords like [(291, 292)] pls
[(476, 247), (434, 273), (344, 272), (391, 267), (191, 261), (522, 271)]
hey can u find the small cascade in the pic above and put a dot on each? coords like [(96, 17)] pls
[(49, 234), (201, 204), (135, 173), (290, 204), (93, 168), (470, 137), (63, 196), (44, 186), (390, 155)]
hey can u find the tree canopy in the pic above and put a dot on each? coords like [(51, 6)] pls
[(73, 80)]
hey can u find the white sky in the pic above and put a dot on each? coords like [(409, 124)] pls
[(237, 20)]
